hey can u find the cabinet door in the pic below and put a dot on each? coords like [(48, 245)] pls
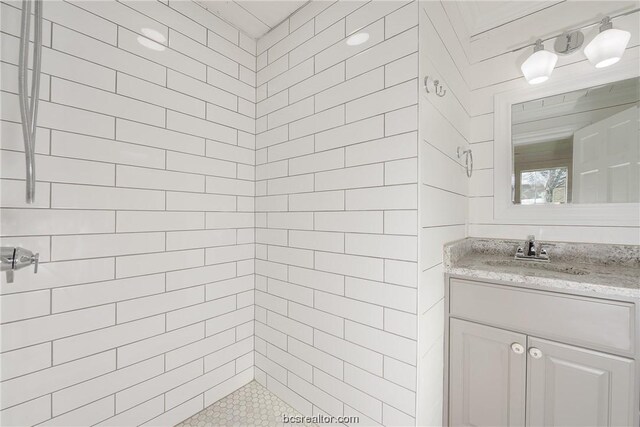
[(486, 376), (570, 386)]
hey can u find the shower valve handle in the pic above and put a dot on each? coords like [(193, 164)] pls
[(17, 258)]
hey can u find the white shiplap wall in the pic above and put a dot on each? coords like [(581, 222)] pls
[(489, 67), (142, 311), (336, 211), (444, 187)]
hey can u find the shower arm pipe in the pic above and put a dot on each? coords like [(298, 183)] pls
[(29, 108)]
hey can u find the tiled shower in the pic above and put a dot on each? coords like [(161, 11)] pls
[(241, 206), (212, 209)]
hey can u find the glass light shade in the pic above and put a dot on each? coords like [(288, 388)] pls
[(607, 47), (539, 66)]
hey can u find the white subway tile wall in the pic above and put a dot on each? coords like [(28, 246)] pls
[(142, 309), (336, 211)]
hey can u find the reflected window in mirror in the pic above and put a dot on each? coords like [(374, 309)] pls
[(543, 186), (578, 147)]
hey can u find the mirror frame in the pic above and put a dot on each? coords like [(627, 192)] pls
[(563, 80)]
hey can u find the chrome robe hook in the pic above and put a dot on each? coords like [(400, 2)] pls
[(468, 160), (431, 85)]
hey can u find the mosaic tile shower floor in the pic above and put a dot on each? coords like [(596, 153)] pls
[(250, 405)]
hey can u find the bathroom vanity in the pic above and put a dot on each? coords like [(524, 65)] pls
[(541, 343)]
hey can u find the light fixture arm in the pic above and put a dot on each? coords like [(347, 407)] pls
[(538, 45), (606, 24), (607, 20)]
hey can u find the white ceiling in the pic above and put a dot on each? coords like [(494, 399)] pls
[(253, 17)]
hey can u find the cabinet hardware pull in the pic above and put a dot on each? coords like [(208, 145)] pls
[(517, 348), (535, 353)]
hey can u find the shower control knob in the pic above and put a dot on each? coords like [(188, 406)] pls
[(16, 258), (23, 258)]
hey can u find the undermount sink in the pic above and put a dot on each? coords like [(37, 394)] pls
[(555, 268)]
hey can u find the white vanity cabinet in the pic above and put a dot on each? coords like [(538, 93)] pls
[(519, 356)]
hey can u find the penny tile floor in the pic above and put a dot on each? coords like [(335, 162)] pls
[(250, 405)]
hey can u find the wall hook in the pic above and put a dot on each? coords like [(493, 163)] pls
[(468, 160), (431, 85)]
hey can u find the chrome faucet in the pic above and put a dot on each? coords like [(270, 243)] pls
[(12, 259), (532, 251)]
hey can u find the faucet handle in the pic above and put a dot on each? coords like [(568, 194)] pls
[(35, 260), (16, 258)]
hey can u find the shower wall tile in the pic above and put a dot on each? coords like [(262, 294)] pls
[(231, 50), (86, 98), (196, 13), (105, 292), (145, 176), (231, 84), (68, 196), (290, 77), (43, 382), (371, 12), (152, 136), (59, 169), (79, 346), (206, 129), (103, 245), (24, 305), (65, 144), (386, 52), (69, 67), (29, 359), (38, 222), (96, 51), (134, 87), (200, 90), (11, 138), (344, 171), (171, 18), (133, 177), (11, 194), (30, 413), (85, 415), (338, 52), (62, 117)]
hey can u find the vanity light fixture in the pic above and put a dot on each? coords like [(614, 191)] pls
[(608, 46), (604, 50), (152, 39), (357, 39), (539, 65)]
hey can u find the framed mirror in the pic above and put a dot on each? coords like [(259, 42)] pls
[(578, 147), (568, 152)]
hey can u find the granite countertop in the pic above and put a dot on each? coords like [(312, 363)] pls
[(607, 270)]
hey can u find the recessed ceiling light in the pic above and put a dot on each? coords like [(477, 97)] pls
[(152, 39), (357, 39)]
